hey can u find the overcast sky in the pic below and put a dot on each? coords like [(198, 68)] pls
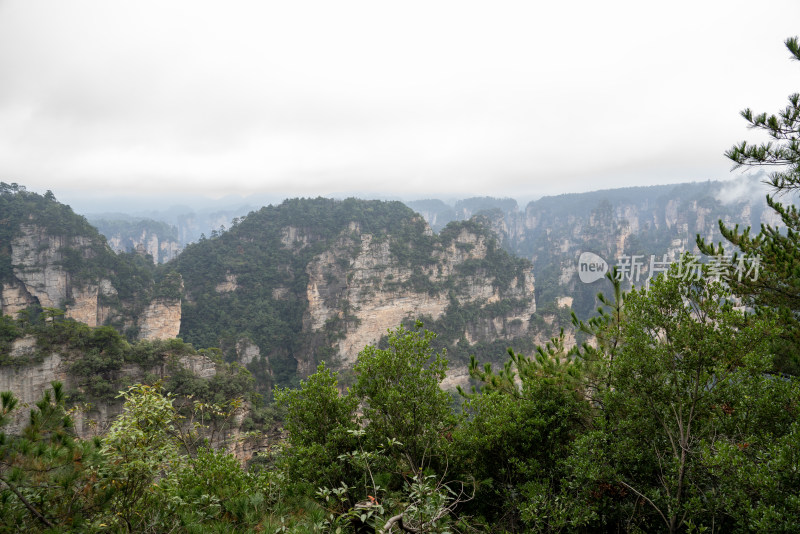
[(400, 98)]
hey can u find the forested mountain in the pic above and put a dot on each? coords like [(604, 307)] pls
[(559, 437), (648, 221), (76, 312), (286, 287), (318, 279), (52, 258)]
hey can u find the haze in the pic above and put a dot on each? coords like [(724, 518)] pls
[(414, 99)]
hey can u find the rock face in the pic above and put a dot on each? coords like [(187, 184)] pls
[(36, 257), (45, 272), (14, 298), (161, 319), (228, 285), (247, 351), (655, 221), (38, 261), (320, 279), (199, 365), (147, 237), (371, 292), (85, 308), (29, 381)]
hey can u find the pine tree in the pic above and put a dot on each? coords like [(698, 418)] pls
[(776, 284), (46, 477)]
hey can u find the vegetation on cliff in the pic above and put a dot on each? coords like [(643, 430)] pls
[(83, 254), (252, 281), (100, 361), (269, 298)]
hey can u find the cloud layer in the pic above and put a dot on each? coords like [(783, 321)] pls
[(317, 97)]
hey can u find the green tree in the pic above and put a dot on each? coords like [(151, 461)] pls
[(777, 283), (605, 331), (164, 474), (391, 451), (210, 491), (521, 423), (550, 363), (45, 472), (8, 333), (399, 389), (514, 444), (689, 378), (317, 421), (139, 448), (51, 314)]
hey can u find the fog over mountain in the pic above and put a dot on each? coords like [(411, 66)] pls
[(308, 98)]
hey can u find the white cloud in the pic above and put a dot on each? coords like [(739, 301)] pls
[(315, 97), (745, 187)]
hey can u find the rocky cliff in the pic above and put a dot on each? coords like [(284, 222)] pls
[(35, 369), (91, 381), (648, 222), (655, 221), (369, 291), (147, 237), (161, 319), (52, 258), (319, 279)]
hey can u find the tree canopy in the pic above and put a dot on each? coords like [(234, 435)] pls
[(776, 249)]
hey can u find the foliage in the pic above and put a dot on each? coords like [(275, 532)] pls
[(671, 422), (46, 477), (402, 399), (389, 452), (169, 285), (678, 384), (686, 352), (550, 363), (776, 284), (513, 442), (782, 128), (672, 411), (8, 333), (605, 332), (317, 420), (139, 447), (159, 479)]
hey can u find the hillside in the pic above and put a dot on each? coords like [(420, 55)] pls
[(284, 288), (75, 312), (553, 231), (51, 257), (318, 279)]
